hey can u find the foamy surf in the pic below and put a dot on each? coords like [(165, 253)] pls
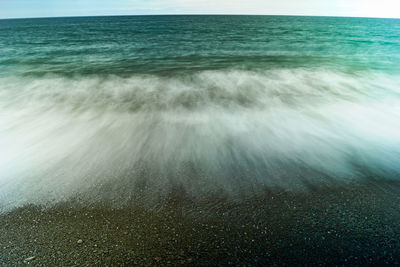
[(212, 132)]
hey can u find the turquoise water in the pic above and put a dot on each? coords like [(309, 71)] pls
[(134, 107), (171, 44)]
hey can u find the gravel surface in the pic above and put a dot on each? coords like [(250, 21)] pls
[(352, 225)]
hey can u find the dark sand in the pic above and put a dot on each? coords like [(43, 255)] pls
[(352, 225)]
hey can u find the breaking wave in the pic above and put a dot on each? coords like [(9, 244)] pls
[(227, 133)]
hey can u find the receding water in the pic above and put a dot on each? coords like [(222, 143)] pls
[(131, 108)]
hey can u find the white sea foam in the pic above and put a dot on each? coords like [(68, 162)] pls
[(214, 132)]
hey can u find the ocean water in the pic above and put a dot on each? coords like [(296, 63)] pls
[(137, 108)]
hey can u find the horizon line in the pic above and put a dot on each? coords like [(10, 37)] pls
[(193, 14)]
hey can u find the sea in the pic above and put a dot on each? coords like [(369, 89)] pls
[(127, 109)]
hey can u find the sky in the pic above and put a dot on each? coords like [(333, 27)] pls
[(56, 8)]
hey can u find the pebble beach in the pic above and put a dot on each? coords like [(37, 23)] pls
[(353, 225)]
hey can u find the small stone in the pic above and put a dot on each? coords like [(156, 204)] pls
[(80, 241), (29, 259)]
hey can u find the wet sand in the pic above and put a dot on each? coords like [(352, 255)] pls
[(351, 225)]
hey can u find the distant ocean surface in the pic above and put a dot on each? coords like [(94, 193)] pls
[(136, 108)]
